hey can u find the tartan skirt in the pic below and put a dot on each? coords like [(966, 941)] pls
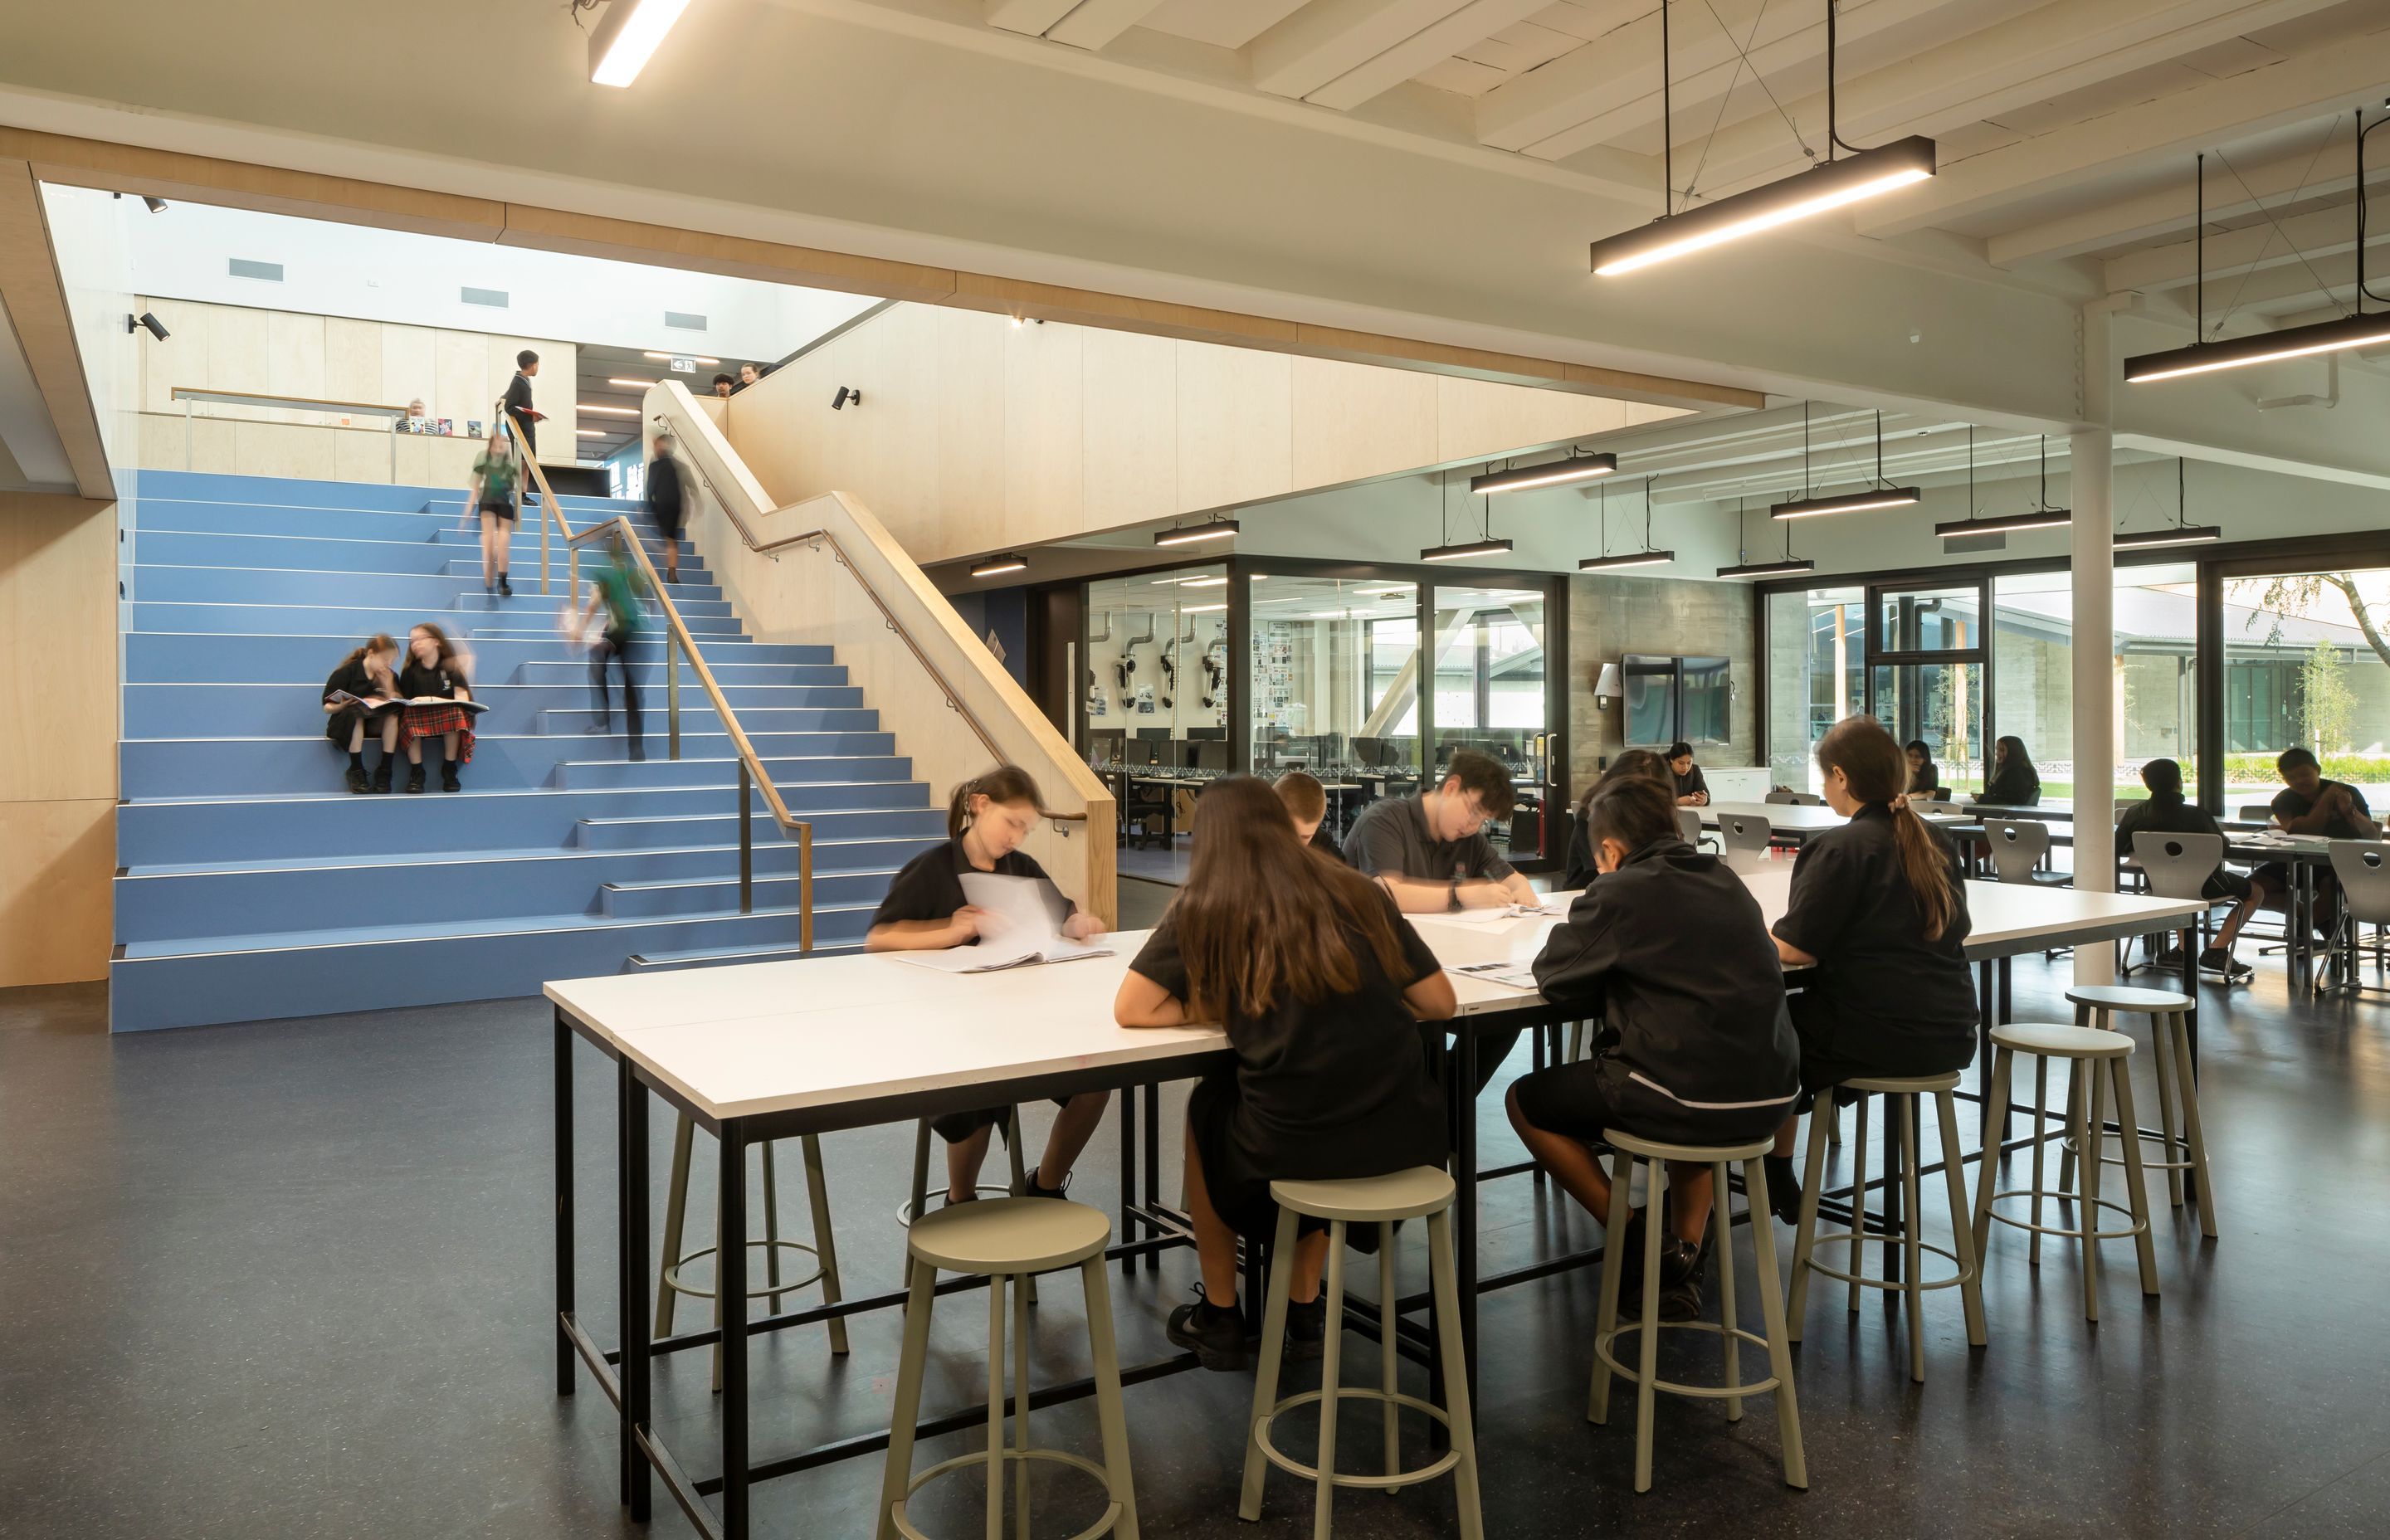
[(433, 721)]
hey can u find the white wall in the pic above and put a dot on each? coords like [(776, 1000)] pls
[(392, 275)]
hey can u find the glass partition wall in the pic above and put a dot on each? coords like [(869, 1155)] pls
[(1156, 646), (2307, 665)]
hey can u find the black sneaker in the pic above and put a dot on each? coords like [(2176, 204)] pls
[(357, 782), (1306, 1330), (2215, 960), (380, 779), (1681, 1282), (414, 779), (448, 781), (1032, 1187), (506, 589), (1783, 1189), (1213, 1333)]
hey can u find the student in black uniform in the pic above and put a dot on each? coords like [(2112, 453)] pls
[(1924, 775), (2165, 811), (1670, 950), (2307, 804), (925, 910), (434, 669), (1306, 802), (366, 674), (664, 502), (1581, 870), (1320, 983), (2015, 783), (518, 403), (1879, 911), (1692, 791)]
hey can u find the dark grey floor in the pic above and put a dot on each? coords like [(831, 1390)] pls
[(291, 1279)]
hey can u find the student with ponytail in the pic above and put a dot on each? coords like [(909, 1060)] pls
[(925, 910), (1879, 910)]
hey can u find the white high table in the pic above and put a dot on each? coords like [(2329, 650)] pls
[(768, 1051), (1795, 821)]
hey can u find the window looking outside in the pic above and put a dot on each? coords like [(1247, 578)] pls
[(2307, 665), (2154, 665), (1816, 677)]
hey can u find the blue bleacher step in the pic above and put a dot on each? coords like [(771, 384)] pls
[(709, 829), (192, 711), (543, 657), (533, 614), (721, 768), (184, 770)]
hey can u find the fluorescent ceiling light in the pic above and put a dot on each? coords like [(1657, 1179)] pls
[(1853, 502), (1466, 550), (1576, 468), (1202, 609), (668, 357), (589, 433), (2352, 331), (1630, 558), (996, 564), (1202, 582), (610, 411), (628, 37), (1863, 176), (1782, 567), (1218, 529), (2171, 535), (1403, 593), (634, 384), (2007, 523)]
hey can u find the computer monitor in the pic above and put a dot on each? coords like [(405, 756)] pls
[(1153, 734), (1203, 734), (1104, 745), (1141, 751), (1210, 753)]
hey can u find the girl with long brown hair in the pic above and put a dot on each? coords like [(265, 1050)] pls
[(988, 817), (436, 680), (1320, 983), (1879, 911), (364, 676)]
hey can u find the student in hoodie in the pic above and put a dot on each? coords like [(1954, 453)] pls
[(1670, 949), (1581, 870), (1879, 911)]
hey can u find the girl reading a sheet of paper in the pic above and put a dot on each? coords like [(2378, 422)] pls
[(986, 819)]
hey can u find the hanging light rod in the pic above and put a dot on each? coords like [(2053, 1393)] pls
[(1466, 550), (2352, 331), (1218, 529), (1866, 175), (1780, 566), (2007, 523), (1854, 502), (2178, 533), (1626, 559), (1576, 468), (999, 564)]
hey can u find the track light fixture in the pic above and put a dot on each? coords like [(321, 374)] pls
[(2355, 331), (1784, 566), (1647, 556), (1863, 175), (2177, 534), (1878, 496), (2039, 516), (1195, 535), (845, 393), (1576, 468), (628, 37), (995, 565)]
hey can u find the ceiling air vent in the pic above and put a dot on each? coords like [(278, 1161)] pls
[(495, 298), (681, 320), (241, 267)]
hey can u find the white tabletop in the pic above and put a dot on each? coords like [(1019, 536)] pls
[(1795, 817)]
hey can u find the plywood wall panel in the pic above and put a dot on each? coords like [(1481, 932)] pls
[(1475, 420), (1045, 435), (1131, 410), (1353, 421), (58, 631), (970, 351), (352, 361), (1235, 434), (55, 894)]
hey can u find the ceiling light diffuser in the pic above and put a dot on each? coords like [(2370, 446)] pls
[(1218, 529), (634, 384), (2351, 331), (1628, 558), (996, 564), (1853, 502), (628, 37), (1783, 567), (1866, 174), (1466, 550), (1576, 468), (2007, 523), (610, 411), (2172, 534)]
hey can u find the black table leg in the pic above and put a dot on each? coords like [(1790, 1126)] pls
[(730, 1287), (1984, 1023), (1128, 1230), (566, 1379), (638, 1368), (2004, 969), (1152, 1161), (1464, 1203), (625, 1260)]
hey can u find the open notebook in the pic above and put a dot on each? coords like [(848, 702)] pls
[(1023, 925)]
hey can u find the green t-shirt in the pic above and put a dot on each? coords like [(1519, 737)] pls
[(497, 475), (620, 586)]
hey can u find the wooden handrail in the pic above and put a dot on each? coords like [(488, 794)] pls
[(302, 403)]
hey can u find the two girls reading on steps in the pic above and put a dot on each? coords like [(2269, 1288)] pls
[(986, 820)]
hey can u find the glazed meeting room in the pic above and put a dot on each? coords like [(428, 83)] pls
[(1075, 768)]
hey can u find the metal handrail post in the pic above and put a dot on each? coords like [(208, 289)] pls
[(805, 887), (747, 855)]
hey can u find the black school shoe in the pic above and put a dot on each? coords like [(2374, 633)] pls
[(380, 779), (1680, 1276), (357, 782), (506, 589), (414, 779), (1215, 1334), (448, 781), (1306, 1329)]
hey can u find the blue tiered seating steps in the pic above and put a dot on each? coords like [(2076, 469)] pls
[(251, 884)]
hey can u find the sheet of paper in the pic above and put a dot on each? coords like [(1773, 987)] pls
[(1024, 918), (1517, 975)]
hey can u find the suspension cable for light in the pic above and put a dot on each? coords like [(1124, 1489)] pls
[(1647, 556), (2039, 516), (1880, 496), (1576, 468), (1863, 175), (1486, 545), (2356, 330), (2179, 533), (1785, 565)]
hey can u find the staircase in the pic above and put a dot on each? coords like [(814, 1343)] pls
[(252, 885)]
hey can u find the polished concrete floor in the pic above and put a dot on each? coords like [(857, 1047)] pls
[(292, 1279)]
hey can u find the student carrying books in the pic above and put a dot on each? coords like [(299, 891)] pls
[(925, 910), (358, 703), (1879, 911), (1670, 951), (1320, 984), (434, 677)]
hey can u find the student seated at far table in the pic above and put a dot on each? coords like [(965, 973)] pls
[(925, 910), (2165, 811), (1692, 790), (1429, 852), (1580, 870), (1321, 985), (2307, 804), (1670, 949), (1306, 802)]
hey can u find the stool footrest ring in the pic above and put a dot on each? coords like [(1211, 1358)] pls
[(1057, 1457), (2149, 1162), (2133, 1229), (1963, 1275), (1704, 1393), (769, 1291), (985, 1189), (1395, 1482)]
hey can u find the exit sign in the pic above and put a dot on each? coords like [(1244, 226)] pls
[(683, 365)]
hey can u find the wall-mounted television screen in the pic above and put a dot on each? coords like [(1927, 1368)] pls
[(1668, 699)]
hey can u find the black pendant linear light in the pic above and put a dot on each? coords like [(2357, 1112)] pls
[(2178, 533), (2357, 330), (1647, 556), (1553, 474), (1192, 534), (2039, 516), (1784, 567), (1486, 545), (1880, 496), (1863, 174), (996, 565)]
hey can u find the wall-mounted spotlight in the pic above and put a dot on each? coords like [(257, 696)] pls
[(845, 393), (996, 565), (157, 328), (156, 205)]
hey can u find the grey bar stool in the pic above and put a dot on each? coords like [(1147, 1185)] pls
[(1901, 1093), (1001, 1239), (1380, 1200), (824, 1249), (2169, 1014), (2108, 1053), (1627, 1148), (906, 1211)]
